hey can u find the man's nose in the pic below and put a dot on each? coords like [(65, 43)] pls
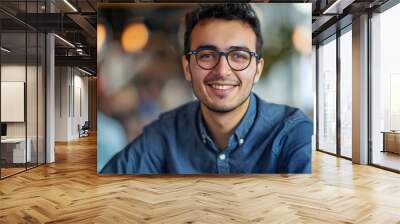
[(223, 67)]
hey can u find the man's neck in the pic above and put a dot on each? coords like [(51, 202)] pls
[(222, 125)]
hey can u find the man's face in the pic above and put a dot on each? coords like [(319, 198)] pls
[(222, 89)]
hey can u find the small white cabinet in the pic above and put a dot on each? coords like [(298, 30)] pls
[(18, 149)]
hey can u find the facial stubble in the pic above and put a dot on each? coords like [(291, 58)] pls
[(216, 110)]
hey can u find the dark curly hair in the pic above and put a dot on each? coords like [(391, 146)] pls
[(228, 11)]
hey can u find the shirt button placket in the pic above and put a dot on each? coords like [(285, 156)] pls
[(223, 166)]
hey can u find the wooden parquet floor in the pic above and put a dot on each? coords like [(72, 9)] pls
[(10, 171), (70, 191)]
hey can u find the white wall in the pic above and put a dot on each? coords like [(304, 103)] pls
[(71, 93), (61, 103)]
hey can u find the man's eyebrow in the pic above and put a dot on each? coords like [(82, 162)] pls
[(238, 48), (207, 46), (213, 47)]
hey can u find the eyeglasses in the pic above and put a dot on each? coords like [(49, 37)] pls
[(238, 60)]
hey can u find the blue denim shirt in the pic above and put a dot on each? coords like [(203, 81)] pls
[(270, 138)]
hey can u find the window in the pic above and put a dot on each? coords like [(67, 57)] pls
[(346, 94), (327, 97), (385, 89)]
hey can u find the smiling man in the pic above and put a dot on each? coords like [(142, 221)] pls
[(229, 129)]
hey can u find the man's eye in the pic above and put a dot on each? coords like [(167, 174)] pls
[(206, 56), (240, 56)]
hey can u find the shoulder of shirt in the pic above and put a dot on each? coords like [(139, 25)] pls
[(276, 113)]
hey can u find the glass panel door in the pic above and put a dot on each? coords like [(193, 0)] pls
[(14, 154)]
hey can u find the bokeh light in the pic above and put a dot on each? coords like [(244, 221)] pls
[(101, 36), (301, 38), (134, 37)]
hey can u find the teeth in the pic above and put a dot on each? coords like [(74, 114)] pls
[(221, 86)]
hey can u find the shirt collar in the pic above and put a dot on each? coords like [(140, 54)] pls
[(241, 130), (248, 119)]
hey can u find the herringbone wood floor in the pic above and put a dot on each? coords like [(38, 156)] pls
[(70, 191)]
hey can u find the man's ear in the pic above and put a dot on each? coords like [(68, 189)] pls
[(259, 70), (186, 68)]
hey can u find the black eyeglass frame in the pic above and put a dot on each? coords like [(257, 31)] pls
[(225, 54)]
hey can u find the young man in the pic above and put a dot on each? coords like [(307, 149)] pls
[(229, 129)]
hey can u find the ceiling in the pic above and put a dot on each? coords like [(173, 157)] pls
[(331, 15), (76, 22)]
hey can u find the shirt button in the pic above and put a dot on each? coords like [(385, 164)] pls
[(204, 138), (241, 141), (222, 156)]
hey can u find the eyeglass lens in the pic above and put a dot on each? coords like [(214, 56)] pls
[(237, 59)]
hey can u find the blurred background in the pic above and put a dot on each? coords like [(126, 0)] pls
[(140, 76)]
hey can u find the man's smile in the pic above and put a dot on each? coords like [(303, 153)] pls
[(219, 89)]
